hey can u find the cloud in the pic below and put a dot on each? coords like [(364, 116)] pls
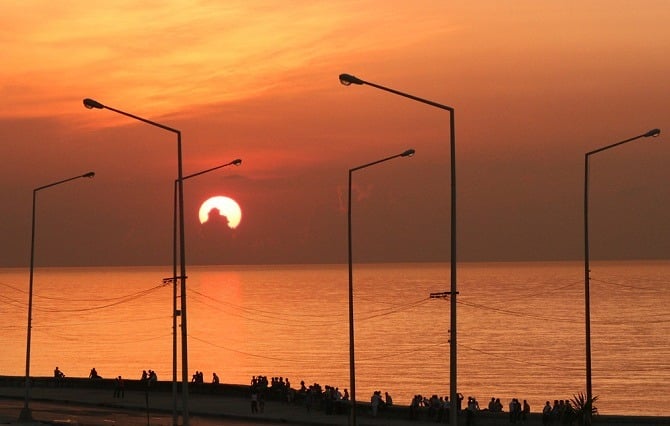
[(167, 56)]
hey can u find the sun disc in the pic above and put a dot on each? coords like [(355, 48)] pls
[(226, 206)]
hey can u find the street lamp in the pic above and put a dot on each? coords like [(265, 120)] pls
[(90, 104), (347, 80), (587, 297), (352, 368), (26, 414), (236, 162)]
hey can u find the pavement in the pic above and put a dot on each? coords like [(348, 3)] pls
[(97, 407)]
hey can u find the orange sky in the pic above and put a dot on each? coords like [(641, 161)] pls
[(535, 85)]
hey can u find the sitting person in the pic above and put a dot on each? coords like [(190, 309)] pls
[(94, 374), (59, 377), (153, 378)]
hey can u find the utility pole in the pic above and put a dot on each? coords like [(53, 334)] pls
[(453, 404)]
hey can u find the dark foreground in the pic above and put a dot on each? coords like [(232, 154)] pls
[(86, 403)]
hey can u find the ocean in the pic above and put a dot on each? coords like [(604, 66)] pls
[(520, 328)]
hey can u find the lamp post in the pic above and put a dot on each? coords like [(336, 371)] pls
[(236, 162), (587, 297), (26, 414), (348, 79), (352, 362), (90, 104)]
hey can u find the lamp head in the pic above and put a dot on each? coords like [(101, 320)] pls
[(653, 133), (237, 162), (92, 103), (88, 175), (408, 153), (348, 79)]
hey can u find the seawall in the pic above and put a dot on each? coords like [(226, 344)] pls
[(232, 400)]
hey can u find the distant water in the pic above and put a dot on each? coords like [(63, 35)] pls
[(520, 328)]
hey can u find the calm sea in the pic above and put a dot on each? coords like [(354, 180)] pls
[(520, 327)]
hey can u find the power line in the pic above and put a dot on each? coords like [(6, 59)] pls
[(496, 355), (125, 299), (632, 287)]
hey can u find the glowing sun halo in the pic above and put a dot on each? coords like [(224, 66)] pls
[(226, 206)]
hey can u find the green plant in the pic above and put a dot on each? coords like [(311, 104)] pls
[(584, 409)]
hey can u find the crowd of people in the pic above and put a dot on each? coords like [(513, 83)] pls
[(561, 413), (438, 408), (149, 377), (198, 377), (331, 400)]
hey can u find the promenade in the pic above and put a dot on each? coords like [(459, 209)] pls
[(97, 406)]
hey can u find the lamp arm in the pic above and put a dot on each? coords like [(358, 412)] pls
[(209, 170), (153, 123), (58, 183), (375, 162), (616, 144), (407, 95)]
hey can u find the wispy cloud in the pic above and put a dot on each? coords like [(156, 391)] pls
[(170, 55)]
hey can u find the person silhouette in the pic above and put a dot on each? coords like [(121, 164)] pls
[(118, 388), (59, 377)]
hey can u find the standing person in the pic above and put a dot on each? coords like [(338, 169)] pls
[(447, 409), (471, 410), (492, 405), (153, 377), (118, 388), (261, 401), (513, 410), (374, 402), (254, 400), (309, 398), (546, 414), (525, 411)]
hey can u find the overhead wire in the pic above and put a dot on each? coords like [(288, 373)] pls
[(119, 301), (527, 362), (628, 286), (392, 311), (288, 319), (515, 313), (235, 350)]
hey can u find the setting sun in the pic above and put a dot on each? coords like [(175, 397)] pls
[(226, 206)]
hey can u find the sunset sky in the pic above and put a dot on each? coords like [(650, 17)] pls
[(535, 85)]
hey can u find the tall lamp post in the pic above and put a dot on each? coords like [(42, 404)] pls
[(174, 278), (90, 104), (348, 79), (587, 297), (26, 413), (352, 362)]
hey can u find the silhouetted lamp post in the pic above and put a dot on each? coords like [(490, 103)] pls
[(352, 362), (236, 162), (90, 104), (348, 79), (587, 297), (26, 413)]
